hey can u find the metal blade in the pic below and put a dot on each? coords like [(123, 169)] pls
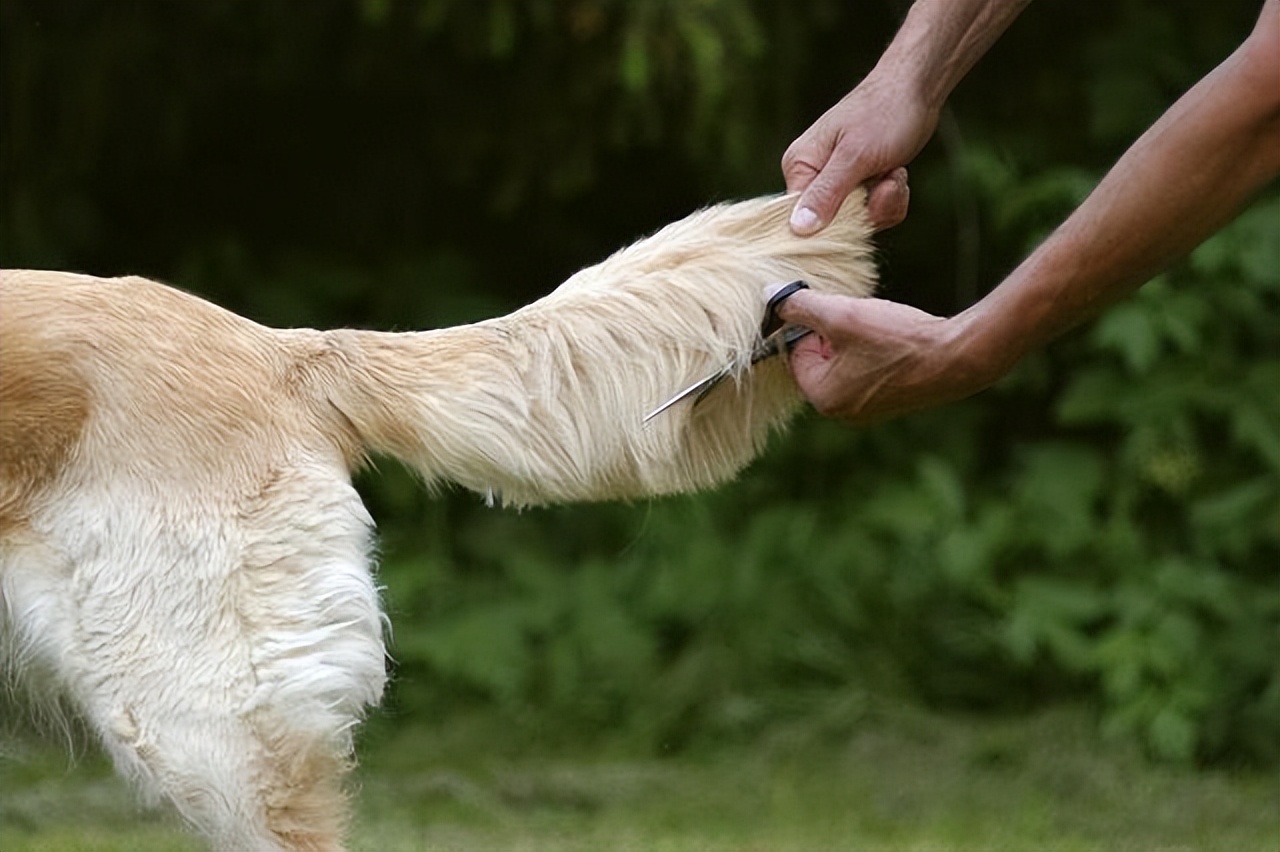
[(777, 338), (698, 388)]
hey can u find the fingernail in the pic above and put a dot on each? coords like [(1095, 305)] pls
[(804, 220)]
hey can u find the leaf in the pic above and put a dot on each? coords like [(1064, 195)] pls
[(1053, 616), (1096, 394), (1246, 248), (1235, 505), (942, 482), (1057, 490), (484, 647), (1227, 519), (1254, 423), (1172, 734), (1130, 330)]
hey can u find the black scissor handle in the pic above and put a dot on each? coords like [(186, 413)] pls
[(773, 322)]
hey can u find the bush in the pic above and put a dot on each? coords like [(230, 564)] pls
[(1106, 523)]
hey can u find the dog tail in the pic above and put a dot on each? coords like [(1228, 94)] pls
[(548, 404)]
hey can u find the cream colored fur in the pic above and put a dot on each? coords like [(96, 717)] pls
[(182, 554)]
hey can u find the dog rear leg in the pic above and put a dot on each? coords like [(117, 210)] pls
[(88, 635), (226, 671), (173, 716)]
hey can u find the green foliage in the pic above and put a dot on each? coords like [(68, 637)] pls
[(1123, 544)]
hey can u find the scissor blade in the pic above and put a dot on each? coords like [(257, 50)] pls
[(694, 389), (775, 339), (780, 341)]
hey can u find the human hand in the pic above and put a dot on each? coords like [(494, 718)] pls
[(868, 137), (872, 359)]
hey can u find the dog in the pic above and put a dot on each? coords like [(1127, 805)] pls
[(184, 560)]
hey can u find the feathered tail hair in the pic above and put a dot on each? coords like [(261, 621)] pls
[(547, 404)]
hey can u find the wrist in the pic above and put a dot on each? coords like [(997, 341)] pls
[(940, 40), (912, 72), (983, 346)]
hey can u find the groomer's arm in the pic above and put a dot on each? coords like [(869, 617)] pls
[(1180, 182), (882, 124)]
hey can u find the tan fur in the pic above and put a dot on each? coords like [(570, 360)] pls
[(554, 395), (179, 542), (43, 407)]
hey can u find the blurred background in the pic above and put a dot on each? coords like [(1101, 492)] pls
[(1100, 531)]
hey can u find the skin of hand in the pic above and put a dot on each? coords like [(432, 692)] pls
[(873, 132), (828, 162), (1182, 180), (873, 359)]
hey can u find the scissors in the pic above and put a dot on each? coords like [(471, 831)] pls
[(775, 338)]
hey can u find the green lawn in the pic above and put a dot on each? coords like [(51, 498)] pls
[(902, 783)]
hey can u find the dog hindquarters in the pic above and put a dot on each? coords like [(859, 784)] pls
[(313, 620), (222, 651)]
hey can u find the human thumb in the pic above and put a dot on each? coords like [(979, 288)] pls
[(810, 309), (818, 204)]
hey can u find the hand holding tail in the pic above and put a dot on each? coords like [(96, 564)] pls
[(871, 359)]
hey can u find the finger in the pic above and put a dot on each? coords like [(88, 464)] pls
[(806, 157), (888, 200), (810, 364), (822, 197), (798, 173), (811, 310), (809, 355)]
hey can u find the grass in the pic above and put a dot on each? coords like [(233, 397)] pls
[(903, 782)]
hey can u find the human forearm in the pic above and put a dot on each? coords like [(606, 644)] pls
[(1186, 177), (941, 40), (1181, 181)]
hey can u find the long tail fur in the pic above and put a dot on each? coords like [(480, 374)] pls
[(543, 405), (547, 404)]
